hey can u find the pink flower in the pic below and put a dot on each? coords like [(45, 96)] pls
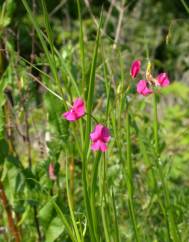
[(143, 89), (135, 68), (162, 80), (52, 175), (77, 111), (100, 137)]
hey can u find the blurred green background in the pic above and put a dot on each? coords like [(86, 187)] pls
[(139, 29)]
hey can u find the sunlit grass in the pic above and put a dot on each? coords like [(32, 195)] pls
[(128, 192)]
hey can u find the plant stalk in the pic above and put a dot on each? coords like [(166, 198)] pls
[(129, 179), (12, 227), (172, 228)]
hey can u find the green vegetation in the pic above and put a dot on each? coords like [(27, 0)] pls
[(53, 186)]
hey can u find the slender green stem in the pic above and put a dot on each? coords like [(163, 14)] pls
[(156, 139), (185, 5), (129, 179), (129, 161), (82, 49), (44, 41), (89, 105), (117, 236), (92, 117), (102, 185), (86, 199), (92, 197), (70, 204), (107, 81), (172, 228), (64, 220)]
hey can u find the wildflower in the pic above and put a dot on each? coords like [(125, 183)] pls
[(100, 137), (143, 89), (135, 68), (143, 86), (52, 175), (77, 111), (162, 80)]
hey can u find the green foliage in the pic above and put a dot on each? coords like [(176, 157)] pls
[(4, 150), (54, 230), (52, 52)]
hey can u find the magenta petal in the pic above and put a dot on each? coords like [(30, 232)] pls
[(143, 89), (79, 107), (146, 91), (78, 103), (70, 116), (100, 136), (166, 82), (106, 134), (163, 80), (103, 147), (135, 68), (141, 86), (99, 145), (95, 146), (77, 111), (52, 175), (97, 132), (80, 111)]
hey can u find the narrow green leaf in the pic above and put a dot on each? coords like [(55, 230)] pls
[(54, 230)]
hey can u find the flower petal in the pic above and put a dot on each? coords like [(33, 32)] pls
[(78, 103), (141, 86), (80, 111), (103, 147), (163, 80), (99, 145), (70, 116), (105, 134), (79, 107), (143, 89), (135, 68), (76, 112), (146, 91), (100, 136), (97, 132), (52, 175)]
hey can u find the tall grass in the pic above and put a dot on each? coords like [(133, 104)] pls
[(110, 199)]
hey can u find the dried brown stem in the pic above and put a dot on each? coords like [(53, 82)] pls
[(28, 138), (9, 126), (12, 227), (120, 20), (37, 224), (32, 59)]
